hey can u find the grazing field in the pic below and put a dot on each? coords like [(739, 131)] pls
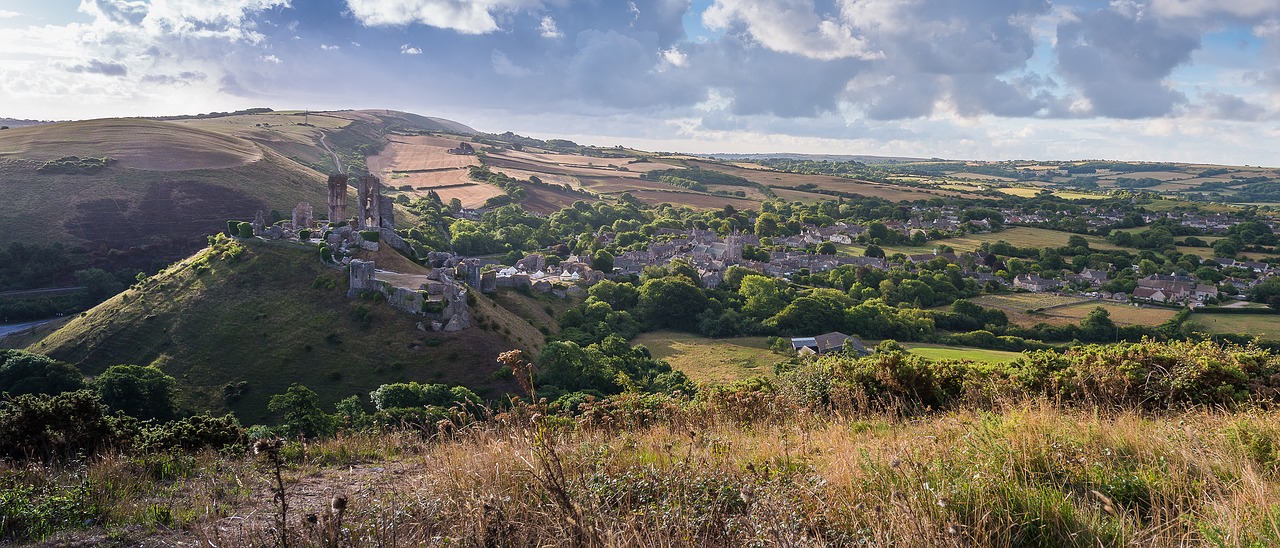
[(504, 160), (981, 177), (1157, 175), (799, 196), (1123, 314), (1022, 191), (1019, 302), (569, 160), (940, 352), (1021, 236), (610, 185), (1266, 326), (709, 361)]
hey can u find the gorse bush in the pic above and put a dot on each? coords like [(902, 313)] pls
[(1146, 375)]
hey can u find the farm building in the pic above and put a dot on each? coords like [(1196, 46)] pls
[(830, 342)]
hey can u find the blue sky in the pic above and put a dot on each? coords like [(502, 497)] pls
[(1169, 80)]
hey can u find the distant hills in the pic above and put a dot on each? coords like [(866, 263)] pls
[(819, 157)]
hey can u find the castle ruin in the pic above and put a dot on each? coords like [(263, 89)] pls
[(303, 216), (368, 202), (337, 197)]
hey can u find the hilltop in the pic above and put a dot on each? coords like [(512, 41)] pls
[(235, 327)]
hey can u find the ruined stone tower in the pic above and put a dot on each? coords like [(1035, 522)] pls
[(368, 208), (337, 197), (303, 216)]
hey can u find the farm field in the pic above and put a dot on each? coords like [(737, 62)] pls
[(707, 360), (1123, 314), (940, 352), (416, 153), (1021, 302), (692, 199), (610, 185), (981, 177), (826, 182), (540, 199), (503, 160), (1158, 175), (549, 178), (1021, 236), (571, 160), (450, 184), (799, 196), (1266, 326)]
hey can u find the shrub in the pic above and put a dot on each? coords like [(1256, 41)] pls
[(371, 235), (233, 227), (195, 433), (304, 234), (54, 427), (244, 230)]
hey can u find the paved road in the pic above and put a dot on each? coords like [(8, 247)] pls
[(9, 329)]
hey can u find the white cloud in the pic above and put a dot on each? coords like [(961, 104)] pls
[(1246, 9), (548, 28), (675, 57), (271, 59), (328, 47), (505, 67), (410, 50), (464, 16), (5, 14), (790, 26)]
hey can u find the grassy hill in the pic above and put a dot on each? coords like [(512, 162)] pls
[(274, 316), (171, 182)]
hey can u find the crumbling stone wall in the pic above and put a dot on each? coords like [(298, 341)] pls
[(337, 197), (303, 216), (368, 198)]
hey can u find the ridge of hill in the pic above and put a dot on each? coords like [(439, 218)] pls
[(241, 320)]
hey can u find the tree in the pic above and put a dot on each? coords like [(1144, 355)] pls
[(827, 248), (26, 373), (1098, 327), (143, 392), (671, 302), (767, 225), (620, 296), (1226, 248), (874, 250), (763, 296), (301, 408), (602, 261)]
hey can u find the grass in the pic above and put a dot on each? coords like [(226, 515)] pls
[(259, 320), (1021, 236), (1120, 313), (1265, 326), (1026, 301), (707, 360), (1027, 475), (940, 352)]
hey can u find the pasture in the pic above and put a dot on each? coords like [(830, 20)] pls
[(712, 361), (1265, 326), (825, 182), (941, 352), (1122, 314)]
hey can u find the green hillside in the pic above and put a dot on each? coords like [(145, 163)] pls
[(272, 316)]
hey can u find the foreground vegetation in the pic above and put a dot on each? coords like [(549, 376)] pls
[(1149, 443)]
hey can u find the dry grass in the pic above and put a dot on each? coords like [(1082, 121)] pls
[(680, 475), (139, 144)]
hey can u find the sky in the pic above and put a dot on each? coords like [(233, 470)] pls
[(1156, 80)]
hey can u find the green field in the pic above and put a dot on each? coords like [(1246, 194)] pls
[(1122, 314), (1021, 302), (1021, 236), (1266, 326), (939, 352), (712, 360)]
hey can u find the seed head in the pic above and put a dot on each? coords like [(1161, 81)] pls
[(339, 503)]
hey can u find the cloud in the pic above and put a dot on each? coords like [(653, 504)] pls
[(271, 59), (789, 26), (410, 50), (502, 65), (547, 28), (1221, 106), (183, 78), (328, 47), (464, 16), (674, 57), (1241, 9), (5, 14), (1120, 61), (95, 66)]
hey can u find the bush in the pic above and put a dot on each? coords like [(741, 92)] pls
[(371, 235), (304, 234), (325, 254), (54, 427), (195, 433), (244, 230), (233, 228)]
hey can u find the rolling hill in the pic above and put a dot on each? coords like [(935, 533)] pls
[(236, 330), (157, 187)]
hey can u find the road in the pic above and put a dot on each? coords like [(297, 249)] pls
[(336, 160), (6, 330)]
